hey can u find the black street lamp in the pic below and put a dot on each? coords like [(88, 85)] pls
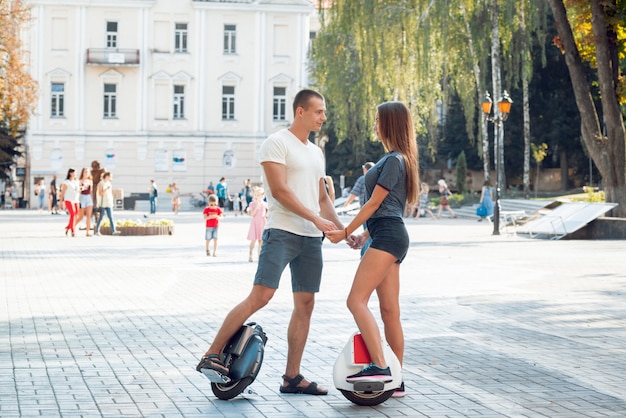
[(504, 108)]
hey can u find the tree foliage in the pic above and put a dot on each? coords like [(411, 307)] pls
[(17, 88), (461, 173), (424, 52), (369, 52), (606, 143)]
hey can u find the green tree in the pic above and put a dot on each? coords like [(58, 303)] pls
[(608, 151), (17, 88), (461, 173)]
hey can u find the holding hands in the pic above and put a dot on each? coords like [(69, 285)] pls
[(354, 241), (337, 235)]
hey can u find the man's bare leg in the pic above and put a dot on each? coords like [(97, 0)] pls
[(297, 334), (258, 298)]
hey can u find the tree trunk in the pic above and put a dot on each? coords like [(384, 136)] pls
[(525, 104), (615, 178), (608, 152), (498, 138), (484, 132)]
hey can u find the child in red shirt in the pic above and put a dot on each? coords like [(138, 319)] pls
[(212, 214)]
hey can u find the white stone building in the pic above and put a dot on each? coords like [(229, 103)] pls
[(170, 90)]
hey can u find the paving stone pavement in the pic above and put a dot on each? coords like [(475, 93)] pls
[(495, 326)]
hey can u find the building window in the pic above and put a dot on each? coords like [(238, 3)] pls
[(280, 104), (179, 102), (111, 34), (228, 102), (230, 39), (57, 94), (312, 36), (110, 100), (180, 37)]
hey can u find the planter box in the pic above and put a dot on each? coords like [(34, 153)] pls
[(140, 230)]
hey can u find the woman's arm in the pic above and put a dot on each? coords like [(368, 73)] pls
[(368, 209)]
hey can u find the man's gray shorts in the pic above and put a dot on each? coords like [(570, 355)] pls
[(303, 254)]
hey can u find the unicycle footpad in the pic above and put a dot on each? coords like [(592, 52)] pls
[(215, 376)]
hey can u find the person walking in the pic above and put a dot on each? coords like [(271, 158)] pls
[(40, 191), (485, 206), (175, 198), (104, 195), (153, 195), (423, 207), (390, 185), (299, 212), (85, 199), (258, 210), (444, 204), (358, 190), (248, 193), (69, 196), (54, 203), (212, 214), (221, 190)]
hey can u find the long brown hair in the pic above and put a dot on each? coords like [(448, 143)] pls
[(82, 173), (395, 128)]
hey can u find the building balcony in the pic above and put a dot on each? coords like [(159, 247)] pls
[(112, 56)]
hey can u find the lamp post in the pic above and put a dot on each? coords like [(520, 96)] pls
[(498, 118)]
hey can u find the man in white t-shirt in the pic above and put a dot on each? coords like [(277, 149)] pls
[(300, 211)]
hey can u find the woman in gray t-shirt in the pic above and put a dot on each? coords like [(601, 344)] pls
[(390, 185)]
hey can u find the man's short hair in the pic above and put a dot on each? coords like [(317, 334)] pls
[(368, 165), (303, 97)]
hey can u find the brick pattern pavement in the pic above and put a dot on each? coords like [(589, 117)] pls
[(495, 326)]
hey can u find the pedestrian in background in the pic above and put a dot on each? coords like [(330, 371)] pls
[(70, 191), (54, 203), (104, 195), (258, 210), (221, 190), (424, 202), (444, 192), (330, 188), (85, 199), (248, 193), (212, 215), (175, 198), (358, 190), (153, 195), (485, 206), (40, 191)]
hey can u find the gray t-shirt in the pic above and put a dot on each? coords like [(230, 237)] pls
[(390, 173)]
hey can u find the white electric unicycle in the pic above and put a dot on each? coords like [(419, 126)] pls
[(355, 357)]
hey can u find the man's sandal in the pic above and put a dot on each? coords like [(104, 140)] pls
[(293, 387), (212, 362)]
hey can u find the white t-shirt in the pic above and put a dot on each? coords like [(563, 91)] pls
[(71, 191), (305, 168), (106, 200)]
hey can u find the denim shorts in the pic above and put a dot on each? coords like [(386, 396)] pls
[(210, 233), (389, 234), (85, 200), (303, 254)]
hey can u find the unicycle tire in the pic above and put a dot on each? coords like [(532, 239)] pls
[(367, 398), (225, 391)]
